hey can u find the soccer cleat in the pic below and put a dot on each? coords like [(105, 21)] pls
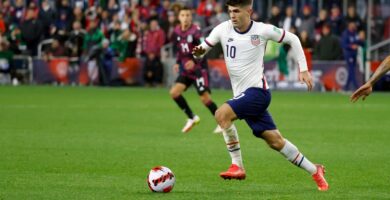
[(319, 178), (218, 130), (234, 172), (190, 123)]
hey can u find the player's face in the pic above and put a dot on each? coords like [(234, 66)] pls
[(240, 16), (185, 17)]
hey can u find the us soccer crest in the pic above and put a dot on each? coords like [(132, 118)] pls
[(255, 40)]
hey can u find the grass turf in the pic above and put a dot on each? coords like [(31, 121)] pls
[(100, 143)]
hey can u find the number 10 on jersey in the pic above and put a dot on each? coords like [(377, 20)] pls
[(230, 51)]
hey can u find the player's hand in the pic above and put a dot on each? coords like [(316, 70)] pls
[(364, 91), (306, 78), (176, 68), (198, 51), (189, 65)]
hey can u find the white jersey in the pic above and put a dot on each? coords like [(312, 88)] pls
[(244, 52)]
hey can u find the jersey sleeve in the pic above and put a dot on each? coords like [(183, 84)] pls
[(213, 38), (273, 33)]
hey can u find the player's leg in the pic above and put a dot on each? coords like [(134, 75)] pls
[(210, 104), (176, 93), (203, 89), (276, 141), (225, 117)]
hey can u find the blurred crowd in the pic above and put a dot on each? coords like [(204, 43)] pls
[(85, 29)]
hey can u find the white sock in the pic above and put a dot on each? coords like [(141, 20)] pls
[(291, 152), (233, 145)]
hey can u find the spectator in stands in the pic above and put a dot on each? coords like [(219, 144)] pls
[(2, 25), (93, 40), (206, 9), (276, 17), (127, 45), (78, 15), (336, 21), (92, 49), (106, 63), (219, 16), (153, 71), (6, 57), (115, 36), (64, 7), (290, 20), (32, 32), (350, 42), (306, 41), (55, 50), (353, 17), (18, 12), (328, 47), (320, 22), (16, 44), (154, 40), (76, 40), (112, 7), (47, 16), (7, 10), (307, 22)]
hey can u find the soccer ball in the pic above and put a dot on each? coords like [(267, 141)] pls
[(161, 179)]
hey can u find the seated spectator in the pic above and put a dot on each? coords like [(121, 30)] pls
[(329, 47), (55, 50), (320, 22), (6, 57)]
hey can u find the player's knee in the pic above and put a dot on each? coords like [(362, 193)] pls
[(174, 93), (205, 99), (275, 140), (221, 118), (276, 145)]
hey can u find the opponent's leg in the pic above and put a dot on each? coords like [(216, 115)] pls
[(205, 97), (176, 94)]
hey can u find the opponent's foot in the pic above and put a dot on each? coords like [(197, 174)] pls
[(218, 130), (190, 123), (234, 172), (320, 179)]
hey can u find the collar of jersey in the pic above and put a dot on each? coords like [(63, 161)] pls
[(247, 30)]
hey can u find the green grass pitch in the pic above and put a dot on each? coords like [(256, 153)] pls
[(100, 143)]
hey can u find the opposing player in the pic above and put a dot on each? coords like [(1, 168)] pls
[(244, 42), (191, 71), (366, 89)]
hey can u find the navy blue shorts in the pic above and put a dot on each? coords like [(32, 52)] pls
[(252, 105)]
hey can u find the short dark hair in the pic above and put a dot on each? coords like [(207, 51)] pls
[(185, 8), (239, 2)]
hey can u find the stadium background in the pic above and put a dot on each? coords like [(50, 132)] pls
[(41, 61), (63, 142)]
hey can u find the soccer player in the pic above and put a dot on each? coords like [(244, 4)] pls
[(244, 42), (191, 72), (366, 89)]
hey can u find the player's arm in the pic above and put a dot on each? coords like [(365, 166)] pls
[(214, 37), (282, 36), (366, 89)]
